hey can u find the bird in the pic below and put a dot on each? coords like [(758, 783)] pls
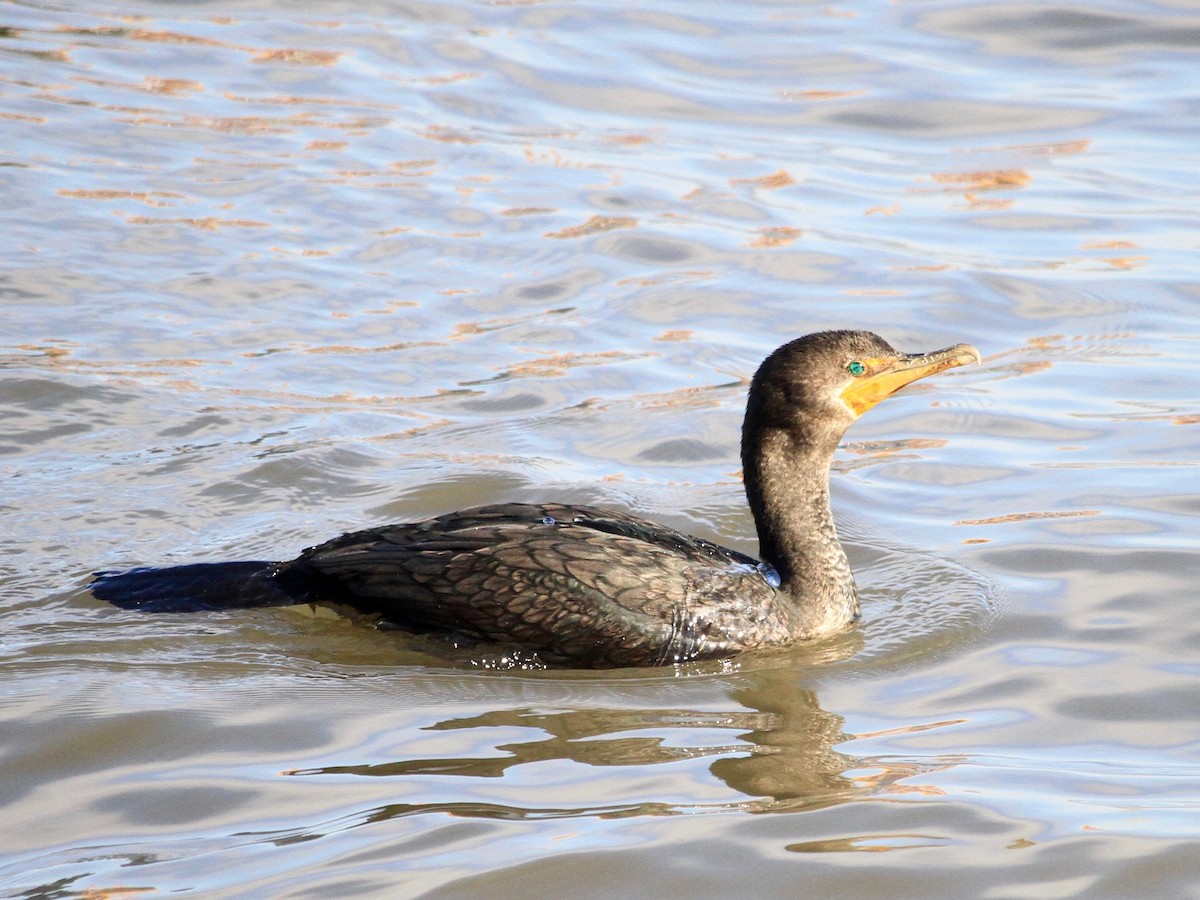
[(588, 587)]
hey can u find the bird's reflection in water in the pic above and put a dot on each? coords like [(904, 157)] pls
[(775, 748)]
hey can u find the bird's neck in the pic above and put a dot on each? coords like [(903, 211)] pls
[(787, 485)]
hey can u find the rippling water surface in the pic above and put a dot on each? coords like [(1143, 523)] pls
[(275, 271)]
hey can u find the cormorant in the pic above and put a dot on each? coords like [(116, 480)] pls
[(582, 586)]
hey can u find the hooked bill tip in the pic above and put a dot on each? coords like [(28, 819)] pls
[(968, 353)]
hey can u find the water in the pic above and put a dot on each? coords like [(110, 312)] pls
[(272, 272)]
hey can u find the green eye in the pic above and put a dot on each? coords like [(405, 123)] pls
[(856, 368)]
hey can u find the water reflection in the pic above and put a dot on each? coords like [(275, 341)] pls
[(777, 753)]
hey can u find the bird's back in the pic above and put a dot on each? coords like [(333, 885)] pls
[(570, 582)]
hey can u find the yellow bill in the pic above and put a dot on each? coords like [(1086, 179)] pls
[(884, 376)]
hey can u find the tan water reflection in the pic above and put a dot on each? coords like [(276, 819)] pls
[(778, 753)]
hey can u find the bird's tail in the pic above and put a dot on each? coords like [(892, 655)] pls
[(193, 588)]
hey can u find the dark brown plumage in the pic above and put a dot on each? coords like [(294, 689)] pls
[(589, 587)]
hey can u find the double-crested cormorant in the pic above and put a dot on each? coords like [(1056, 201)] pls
[(588, 587)]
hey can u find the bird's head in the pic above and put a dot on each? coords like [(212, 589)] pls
[(828, 379)]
